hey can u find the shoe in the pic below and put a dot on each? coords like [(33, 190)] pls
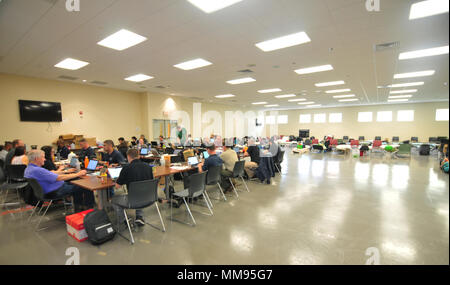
[(139, 221)]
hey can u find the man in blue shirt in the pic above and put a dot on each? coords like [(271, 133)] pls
[(53, 184), (212, 160), (111, 155)]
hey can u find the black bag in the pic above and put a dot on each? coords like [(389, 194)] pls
[(424, 149), (98, 227)]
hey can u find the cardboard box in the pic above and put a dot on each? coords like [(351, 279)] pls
[(92, 141), (68, 137), (75, 225), (78, 138)]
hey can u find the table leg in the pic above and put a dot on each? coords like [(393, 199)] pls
[(102, 199)]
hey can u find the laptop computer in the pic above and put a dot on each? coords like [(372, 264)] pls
[(205, 154), (114, 173), (92, 166), (144, 151), (193, 161)]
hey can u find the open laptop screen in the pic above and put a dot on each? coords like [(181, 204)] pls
[(92, 165), (192, 160), (114, 172)]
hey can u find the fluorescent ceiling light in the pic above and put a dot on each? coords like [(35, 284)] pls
[(312, 106), (344, 96), (400, 96), (337, 91), (285, 96), (348, 100), (72, 64), (411, 84), (138, 78), (241, 80), (333, 83), (270, 90), (428, 8), (305, 103), (268, 106), (314, 69), (193, 64), (210, 6), (404, 91), (225, 96), (423, 53), (122, 40), (414, 74), (284, 42), (297, 100), (398, 100), (259, 103)]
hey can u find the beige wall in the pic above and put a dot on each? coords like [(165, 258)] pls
[(207, 116), (108, 113), (423, 126)]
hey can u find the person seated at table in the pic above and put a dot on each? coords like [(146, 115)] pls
[(4, 152), (15, 144), (110, 155), (49, 162), (54, 185), (122, 143), (133, 172), (144, 139), (252, 151), (229, 157), (62, 149), (19, 157), (86, 150), (134, 141), (212, 160)]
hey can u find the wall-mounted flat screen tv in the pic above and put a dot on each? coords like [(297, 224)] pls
[(38, 111)]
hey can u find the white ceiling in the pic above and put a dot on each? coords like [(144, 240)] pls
[(35, 35)]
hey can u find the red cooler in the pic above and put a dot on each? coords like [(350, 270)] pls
[(75, 225)]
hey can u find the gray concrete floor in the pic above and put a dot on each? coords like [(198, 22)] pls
[(323, 209)]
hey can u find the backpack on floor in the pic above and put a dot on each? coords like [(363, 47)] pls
[(98, 227), (424, 149)]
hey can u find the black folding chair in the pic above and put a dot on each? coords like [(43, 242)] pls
[(213, 178), (141, 194), (6, 186), (238, 172), (197, 187), (39, 194)]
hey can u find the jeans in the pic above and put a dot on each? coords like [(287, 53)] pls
[(80, 196), (226, 174)]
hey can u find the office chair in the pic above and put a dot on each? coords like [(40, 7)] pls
[(213, 178), (197, 188), (141, 195), (39, 194)]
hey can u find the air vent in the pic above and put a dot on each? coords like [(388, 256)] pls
[(196, 98), (386, 46), (245, 71), (99, 82), (67, 77)]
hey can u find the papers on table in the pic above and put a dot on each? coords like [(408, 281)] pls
[(180, 167)]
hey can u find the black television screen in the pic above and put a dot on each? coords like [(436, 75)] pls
[(303, 133), (37, 111)]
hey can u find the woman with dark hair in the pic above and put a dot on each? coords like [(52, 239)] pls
[(48, 164), (49, 161), (19, 157)]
